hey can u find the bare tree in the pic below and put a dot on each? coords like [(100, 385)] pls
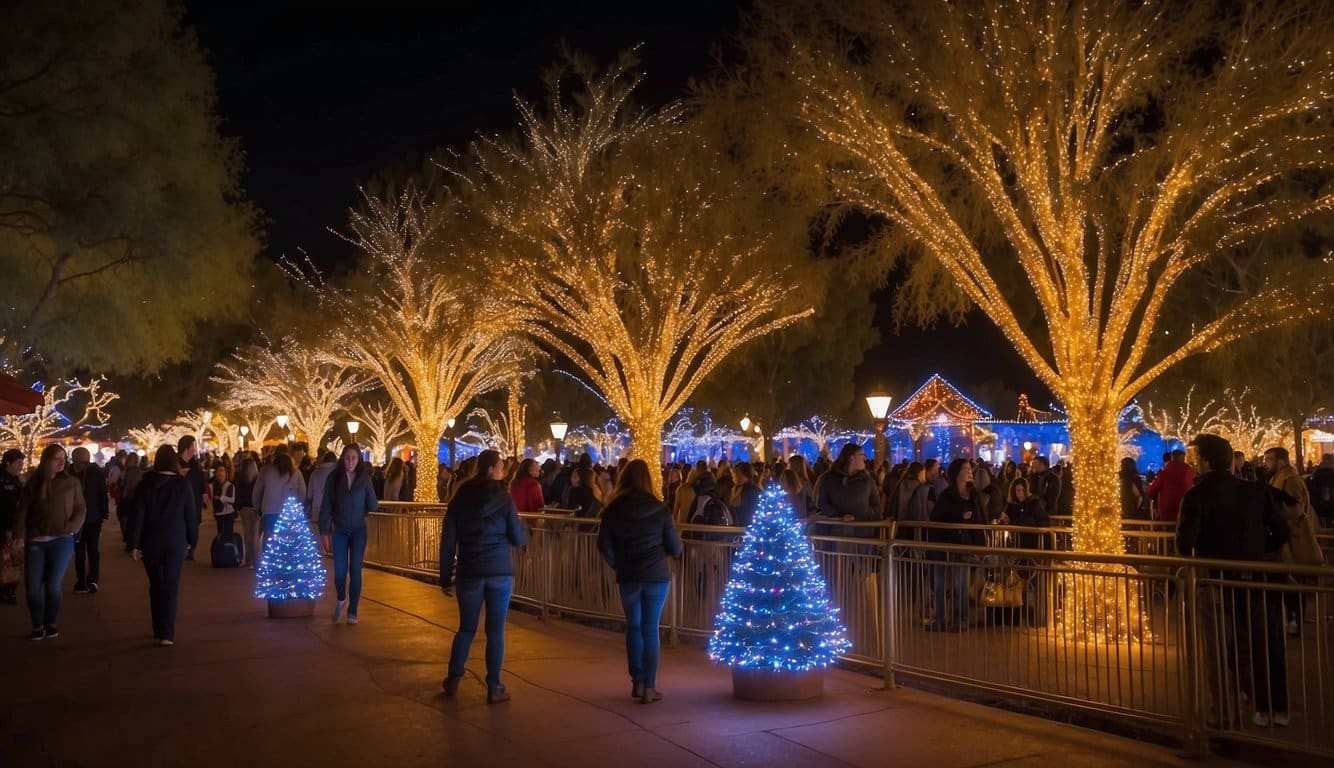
[(384, 426), (635, 262), (67, 406), (304, 383), (429, 329), (1102, 152)]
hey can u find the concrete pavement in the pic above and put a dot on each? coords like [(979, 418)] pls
[(240, 689)]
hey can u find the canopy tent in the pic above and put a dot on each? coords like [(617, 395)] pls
[(16, 398)]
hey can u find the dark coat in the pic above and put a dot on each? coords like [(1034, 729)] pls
[(581, 499), (1226, 518), (10, 491), (637, 536), (165, 516), (343, 508), (950, 508), (481, 524), (747, 501), (837, 494), (1029, 513), (1047, 489), (95, 497)]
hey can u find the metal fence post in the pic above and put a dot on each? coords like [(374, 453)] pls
[(674, 615), (889, 611), (1191, 655)]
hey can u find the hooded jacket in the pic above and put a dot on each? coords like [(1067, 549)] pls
[(343, 507), (637, 536), (480, 526)]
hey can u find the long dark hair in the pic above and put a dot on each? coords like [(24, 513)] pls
[(166, 460), (636, 477), (845, 455), (485, 461), (283, 463), (37, 481), (525, 470)]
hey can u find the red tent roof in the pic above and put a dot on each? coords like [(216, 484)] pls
[(16, 398), (937, 397)]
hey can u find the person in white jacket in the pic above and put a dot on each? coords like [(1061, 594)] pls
[(276, 482), (319, 478)]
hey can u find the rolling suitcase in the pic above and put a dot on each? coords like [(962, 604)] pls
[(227, 551)]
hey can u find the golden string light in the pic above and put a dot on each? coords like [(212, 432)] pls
[(291, 378), (999, 136), (614, 224), (430, 330)]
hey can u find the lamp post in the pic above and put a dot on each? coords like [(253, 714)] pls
[(746, 425), (879, 405), (558, 427), (449, 427), (352, 428), (282, 422), (244, 430)]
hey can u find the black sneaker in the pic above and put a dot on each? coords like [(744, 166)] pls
[(52, 633), (80, 589), (92, 587), (37, 634)]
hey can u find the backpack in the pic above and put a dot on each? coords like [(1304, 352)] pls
[(710, 511)]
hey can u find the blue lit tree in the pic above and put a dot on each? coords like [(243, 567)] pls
[(776, 613), (291, 567)]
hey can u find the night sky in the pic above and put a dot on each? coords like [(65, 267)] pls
[(323, 97)]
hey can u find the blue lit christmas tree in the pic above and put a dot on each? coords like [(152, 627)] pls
[(291, 567), (776, 613)]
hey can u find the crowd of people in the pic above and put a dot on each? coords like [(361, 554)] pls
[(1231, 509)]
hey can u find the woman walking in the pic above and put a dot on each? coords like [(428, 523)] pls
[(636, 538), (245, 507), (162, 529), (348, 496), (276, 482), (52, 510), (394, 477), (481, 525)]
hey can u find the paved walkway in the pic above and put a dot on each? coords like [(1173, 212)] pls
[(240, 689)]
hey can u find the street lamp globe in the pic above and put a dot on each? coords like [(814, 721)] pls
[(352, 427), (282, 421), (449, 423), (244, 430), (745, 423), (879, 405), (558, 428)]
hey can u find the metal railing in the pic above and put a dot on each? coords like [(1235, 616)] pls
[(1188, 645)]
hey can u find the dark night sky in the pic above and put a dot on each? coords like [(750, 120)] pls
[(323, 96)]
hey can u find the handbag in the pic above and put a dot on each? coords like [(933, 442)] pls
[(1006, 593), (11, 563)]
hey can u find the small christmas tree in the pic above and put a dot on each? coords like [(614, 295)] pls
[(291, 567), (776, 614)]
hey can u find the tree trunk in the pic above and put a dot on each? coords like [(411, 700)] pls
[(1102, 601), (1299, 452), (646, 444), (427, 438)]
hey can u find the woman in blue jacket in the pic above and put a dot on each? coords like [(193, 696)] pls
[(481, 525), (636, 537), (348, 497)]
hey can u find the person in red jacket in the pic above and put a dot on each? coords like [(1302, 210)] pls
[(526, 490), (1170, 485)]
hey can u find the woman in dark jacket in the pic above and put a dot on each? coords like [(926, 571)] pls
[(848, 492), (959, 505), (1024, 509), (481, 525), (163, 528), (636, 537), (1134, 499), (348, 497), (745, 495)]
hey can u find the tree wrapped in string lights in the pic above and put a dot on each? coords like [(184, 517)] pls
[(292, 378), (67, 406), (1103, 152), (431, 330), (290, 574), (384, 426), (776, 618), (637, 262)]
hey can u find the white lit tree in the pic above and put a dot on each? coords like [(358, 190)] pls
[(635, 262), (1103, 152), (67, 406), (304, 383), (382, 427), (429, 328)]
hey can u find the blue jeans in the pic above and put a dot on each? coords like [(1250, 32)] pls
[(472, 593), (349, 549), (958, 578), (643, 601), (43, 573)]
